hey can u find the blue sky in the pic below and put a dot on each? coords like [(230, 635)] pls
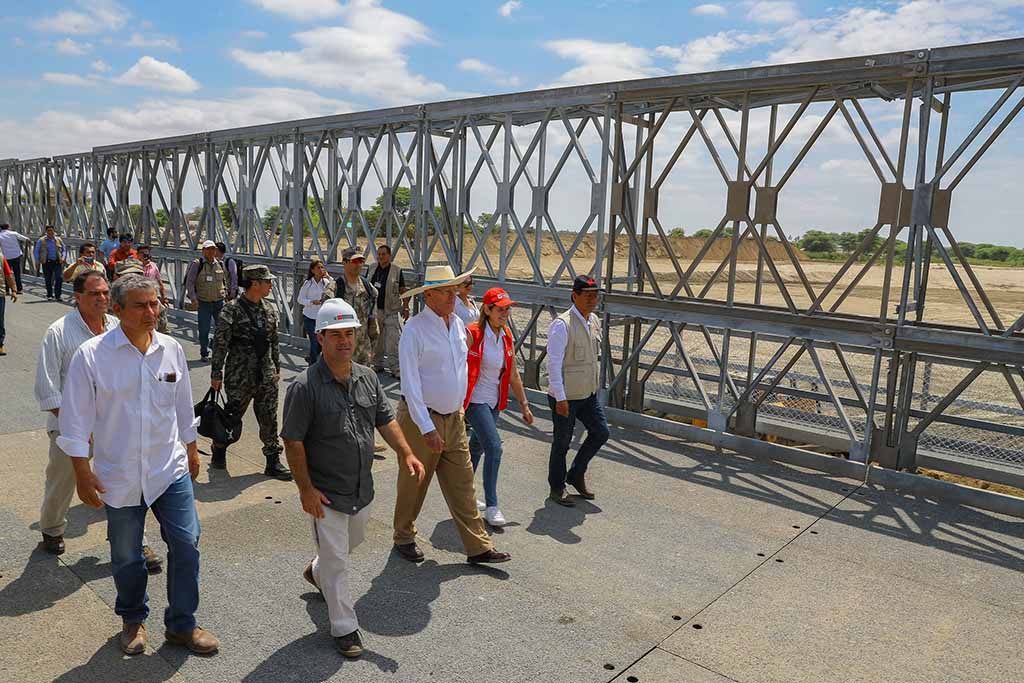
[(91, 72)]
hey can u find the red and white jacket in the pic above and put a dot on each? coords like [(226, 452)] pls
[(475, 357)]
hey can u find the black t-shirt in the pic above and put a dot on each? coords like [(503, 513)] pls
[(380, 279)]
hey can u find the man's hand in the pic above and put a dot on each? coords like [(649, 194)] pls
[(89, 488), (193, 459), (193, 305), (313, 501), (562, 408), (415, 467), (216, 384), (277, 376), (527, 415), (434, 441), (14, 296)]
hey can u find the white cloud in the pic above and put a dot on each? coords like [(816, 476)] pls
[(152, 73), (302, 10), (96, 16), (602, 62), (152, 41), (61, 132), (773, 12), (100, 65), (365, 56), (921, 23), (705, 53), (68, 79), (254, 35), (509, 7), (492, 72), (709, 10), (72, 48)]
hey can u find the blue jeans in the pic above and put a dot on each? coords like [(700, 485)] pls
[(485, 441), (591, 414), (53, 276), (175, 509), (314, 346), (208, 313)]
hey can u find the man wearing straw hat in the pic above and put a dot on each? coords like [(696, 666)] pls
[(432, 353)]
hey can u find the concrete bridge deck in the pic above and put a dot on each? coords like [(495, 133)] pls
[(691, 565)]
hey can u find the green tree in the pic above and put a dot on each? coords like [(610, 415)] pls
[(272, 219), (703, 233), (816, 241), (677, 232), (162, 218), (226, 215)]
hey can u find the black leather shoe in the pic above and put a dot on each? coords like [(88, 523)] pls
[(562, 498), (580, 484), (278, 471), (350, 646), (492, 556), (409, 551), (53, 544), (218, 457)]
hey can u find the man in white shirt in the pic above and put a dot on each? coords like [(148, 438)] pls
[(129, 391), (432, 354), (574, 339), (10, 247)]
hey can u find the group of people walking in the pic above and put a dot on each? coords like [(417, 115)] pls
[(111, 381)]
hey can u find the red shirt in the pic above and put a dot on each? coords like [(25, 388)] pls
[(7, 269), (119, 255), (475, 357)]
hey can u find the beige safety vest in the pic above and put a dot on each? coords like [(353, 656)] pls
[(211, 280), (580, 368), (392, 299)]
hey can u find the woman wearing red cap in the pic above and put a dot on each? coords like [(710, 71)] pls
[(492, 372)]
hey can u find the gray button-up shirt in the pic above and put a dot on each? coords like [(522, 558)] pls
[(335, 425)]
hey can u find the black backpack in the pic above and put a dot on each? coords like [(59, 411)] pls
[(220, 423)]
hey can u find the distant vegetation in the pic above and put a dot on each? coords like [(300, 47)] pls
[(833, 246)]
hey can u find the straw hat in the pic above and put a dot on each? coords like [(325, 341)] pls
[(438, 276)]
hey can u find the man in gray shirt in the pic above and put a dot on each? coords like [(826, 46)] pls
[(330, 411)]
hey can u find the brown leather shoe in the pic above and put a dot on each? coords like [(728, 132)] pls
[(200, 641), (307, 574), (580, 484), (409, 551), (492, 556), (562, 498), (53, 544), (153, 562), (133, 639)]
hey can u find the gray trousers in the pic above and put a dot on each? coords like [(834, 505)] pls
[(385, 348)]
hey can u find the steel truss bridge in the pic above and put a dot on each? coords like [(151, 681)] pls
[(772, 358)]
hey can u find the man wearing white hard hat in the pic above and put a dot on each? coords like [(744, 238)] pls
[(330, 412), (206, 285), (432, 354)]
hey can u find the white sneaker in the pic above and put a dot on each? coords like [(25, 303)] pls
[(494, 517), (480, 505)]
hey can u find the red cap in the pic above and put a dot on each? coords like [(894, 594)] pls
[(496, 296)]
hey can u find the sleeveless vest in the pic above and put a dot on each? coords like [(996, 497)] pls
[(215, 289), (580, 368), (392, 300), (475, 358)]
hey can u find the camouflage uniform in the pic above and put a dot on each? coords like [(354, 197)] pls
[(247, 376), (364, 301)]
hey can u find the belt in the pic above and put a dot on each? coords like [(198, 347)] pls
[(432, 411)]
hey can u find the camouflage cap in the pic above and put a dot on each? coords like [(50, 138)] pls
[(129, 266), (353, 254), (257, 272)]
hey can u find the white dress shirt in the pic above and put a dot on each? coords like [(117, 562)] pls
[(435, 374), (138, 410), (558, 339), (467, 313), (60, 342), (10, 244), (486, 388), (311, 291)]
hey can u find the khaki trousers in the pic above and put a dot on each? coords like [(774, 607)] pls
[(60, 487), (454, 474), (385, 348), (337, 535)]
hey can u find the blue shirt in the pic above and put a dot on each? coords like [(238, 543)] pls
[(107, 248), (51, 250)]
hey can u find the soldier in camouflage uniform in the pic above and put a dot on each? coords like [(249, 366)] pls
[(354, 288), (247, 337)]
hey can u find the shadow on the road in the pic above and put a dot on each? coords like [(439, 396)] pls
[(79, 518), (223, 486), (110, 664), (313, 658), (43, 583), (399, 599), (558, 522)]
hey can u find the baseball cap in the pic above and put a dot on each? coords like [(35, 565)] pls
[(207, 244), (496, 296), (353, 254), (336, 314), (129, 266), (584, 283)]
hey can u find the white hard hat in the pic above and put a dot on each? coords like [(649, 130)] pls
[(336, 314), (207, 244)]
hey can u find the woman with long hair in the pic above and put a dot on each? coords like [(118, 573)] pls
[(465, 304), (310, 297), (492, 373)]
